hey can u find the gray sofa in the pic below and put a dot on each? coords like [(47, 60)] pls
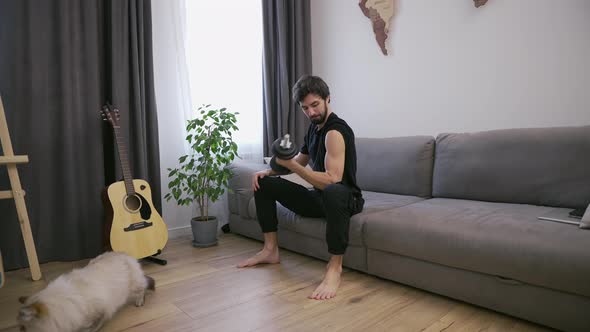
[(458, 216)]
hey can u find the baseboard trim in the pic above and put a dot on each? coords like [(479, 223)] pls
[(176, 232)]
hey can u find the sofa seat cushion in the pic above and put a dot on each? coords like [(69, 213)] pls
[(316, 227), (506, 240), (375, 202)]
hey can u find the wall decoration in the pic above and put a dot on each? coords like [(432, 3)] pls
[(479, 3), (380, 12)]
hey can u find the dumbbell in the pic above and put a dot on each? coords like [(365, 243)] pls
[(282, 148)]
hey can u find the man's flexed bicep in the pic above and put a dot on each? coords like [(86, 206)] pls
[(335, 155)]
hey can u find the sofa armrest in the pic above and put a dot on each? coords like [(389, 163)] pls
[(241, 186), (242, 174)]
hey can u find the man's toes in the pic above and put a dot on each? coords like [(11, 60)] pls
[(315, 295), (245, 263), (326, 295), (319, 294)]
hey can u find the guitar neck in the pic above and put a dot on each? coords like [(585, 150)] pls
[(124, 161)]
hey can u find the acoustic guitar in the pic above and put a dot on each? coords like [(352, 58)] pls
[(136, 228)]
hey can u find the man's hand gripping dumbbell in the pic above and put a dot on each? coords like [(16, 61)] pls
[(282, 148)]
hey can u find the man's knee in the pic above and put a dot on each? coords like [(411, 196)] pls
[(267, 181), (269, 185), (336, 195)]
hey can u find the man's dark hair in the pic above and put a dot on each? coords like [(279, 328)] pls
[(310, 84)]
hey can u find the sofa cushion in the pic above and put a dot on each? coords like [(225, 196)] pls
[(316, 227), (540, 166), (375, 202), (400, 165), (507, 240)]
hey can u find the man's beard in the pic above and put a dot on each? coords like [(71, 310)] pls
[(320, 119)]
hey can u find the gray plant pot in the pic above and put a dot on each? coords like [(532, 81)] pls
[(204, 232)]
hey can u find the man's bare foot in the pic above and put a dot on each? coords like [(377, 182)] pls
[(265, 256), (327, 289)]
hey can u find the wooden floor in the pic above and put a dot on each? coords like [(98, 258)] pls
[(200, 289)]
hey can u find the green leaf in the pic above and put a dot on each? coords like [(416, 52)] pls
[(203, 173)]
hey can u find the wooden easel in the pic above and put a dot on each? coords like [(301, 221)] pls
[(17, 192)]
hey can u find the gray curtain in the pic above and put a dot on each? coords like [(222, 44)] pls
[(130, 87), (59, 63), (287, 56)]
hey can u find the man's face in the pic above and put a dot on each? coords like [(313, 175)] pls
[(315, 108)]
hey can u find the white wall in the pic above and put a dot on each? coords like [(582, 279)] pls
[(452, 67)]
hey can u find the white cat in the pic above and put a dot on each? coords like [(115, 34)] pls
[(84, 299)]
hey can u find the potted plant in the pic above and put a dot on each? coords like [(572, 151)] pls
[(203, 175)]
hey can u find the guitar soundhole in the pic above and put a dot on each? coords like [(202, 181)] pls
[(132, 203)]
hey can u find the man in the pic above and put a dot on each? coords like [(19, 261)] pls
[(329, 147)]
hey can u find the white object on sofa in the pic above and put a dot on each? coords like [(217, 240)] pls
[(585, 223), (560, 215)]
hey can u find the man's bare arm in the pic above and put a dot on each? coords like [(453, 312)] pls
[(334, 163), (302, 159)]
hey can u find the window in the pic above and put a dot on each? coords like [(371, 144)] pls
[(224, 58)]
